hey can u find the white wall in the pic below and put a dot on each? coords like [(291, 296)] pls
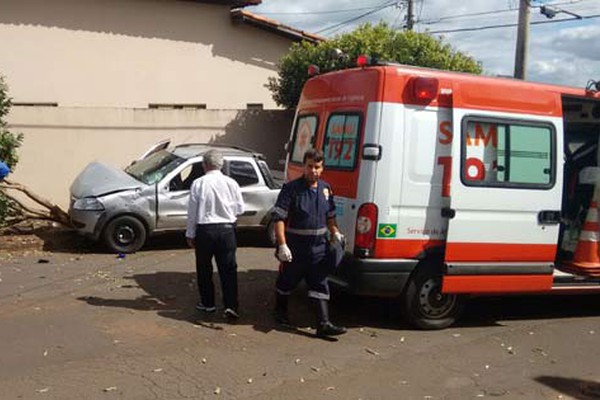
[(129, 53), (60, 142)]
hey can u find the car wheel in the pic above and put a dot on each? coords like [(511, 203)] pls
[(125, 234), (424, 304)]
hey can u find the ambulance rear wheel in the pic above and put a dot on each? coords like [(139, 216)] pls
[(425, 306)]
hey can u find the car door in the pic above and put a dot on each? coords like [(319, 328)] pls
[(173, 194), (506, 187), (258, 197)]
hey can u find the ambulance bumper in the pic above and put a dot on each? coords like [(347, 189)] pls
[(373, 277)]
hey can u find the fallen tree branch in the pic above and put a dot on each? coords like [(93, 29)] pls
[(54, 212)]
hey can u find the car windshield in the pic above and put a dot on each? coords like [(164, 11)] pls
[(154, 167)]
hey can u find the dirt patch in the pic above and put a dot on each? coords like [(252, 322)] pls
[(44, 238)]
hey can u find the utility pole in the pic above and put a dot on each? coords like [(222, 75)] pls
[(410, 17), (522, 40)]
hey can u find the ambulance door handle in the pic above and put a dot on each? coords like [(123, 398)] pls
[(549, 217), (448, 212)]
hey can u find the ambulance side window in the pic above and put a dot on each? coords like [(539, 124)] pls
[(342, 141), (507, 153), (306, 126)]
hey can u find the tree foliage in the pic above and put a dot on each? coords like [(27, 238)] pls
[(378, 41), (9, 143)]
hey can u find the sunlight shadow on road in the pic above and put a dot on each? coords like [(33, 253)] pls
[(576, 388)]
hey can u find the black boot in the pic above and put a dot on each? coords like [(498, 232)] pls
[(324, 326), (281, 309)]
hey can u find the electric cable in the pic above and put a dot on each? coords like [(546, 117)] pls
[(341, 24), (481, 28)]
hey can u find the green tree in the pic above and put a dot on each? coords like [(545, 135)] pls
[(9, 143), (378, 41)]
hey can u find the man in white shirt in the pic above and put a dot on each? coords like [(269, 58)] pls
[(215, 202)]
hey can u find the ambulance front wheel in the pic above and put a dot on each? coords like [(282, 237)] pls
[(425, 306)]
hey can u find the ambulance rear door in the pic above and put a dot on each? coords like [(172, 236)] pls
[(505, 197)]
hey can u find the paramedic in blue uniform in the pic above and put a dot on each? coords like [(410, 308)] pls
[(305, 215)]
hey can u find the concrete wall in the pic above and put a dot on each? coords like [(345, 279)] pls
[(60, 142), (131, 53)]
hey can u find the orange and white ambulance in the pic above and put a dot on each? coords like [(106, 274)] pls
[(450, 184)]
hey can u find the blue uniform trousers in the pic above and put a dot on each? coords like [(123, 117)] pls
[(311, 263)]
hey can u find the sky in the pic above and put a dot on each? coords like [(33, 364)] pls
[(562, 50)]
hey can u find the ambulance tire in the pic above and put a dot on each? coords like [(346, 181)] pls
[(124, 234), (424, 306)]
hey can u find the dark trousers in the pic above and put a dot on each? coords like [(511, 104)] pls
[(217, 240)]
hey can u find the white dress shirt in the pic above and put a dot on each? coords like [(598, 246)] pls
[(214, 199)]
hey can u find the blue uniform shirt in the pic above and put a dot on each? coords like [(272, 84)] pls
[(305, 211), (4, 170)]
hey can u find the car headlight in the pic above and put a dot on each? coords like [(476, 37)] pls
[(88, 204)]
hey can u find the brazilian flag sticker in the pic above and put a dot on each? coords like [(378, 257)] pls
[(386, 230)]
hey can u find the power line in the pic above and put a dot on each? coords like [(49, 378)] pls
[(480, 28), (340, 24), (492, 12), (317, 12)]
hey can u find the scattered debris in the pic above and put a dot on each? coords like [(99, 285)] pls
[(203, 361), (110, 389), (297, 361), (301, 380), (45, 353), (331, 388), (511, 350), (157, 370), (43, 261), (316, 369), (540, 351), (44, 390), (592, 332), (371, 351), (217, 390), (121, 256), (402, 339), (249, 381)]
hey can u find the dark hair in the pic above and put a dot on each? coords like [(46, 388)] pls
[(313, 154)]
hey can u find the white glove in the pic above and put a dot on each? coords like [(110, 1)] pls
[(341, 239), (284, 254)]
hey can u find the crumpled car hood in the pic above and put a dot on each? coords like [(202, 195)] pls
[(98, 179)]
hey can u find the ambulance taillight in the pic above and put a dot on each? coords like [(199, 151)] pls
[(425, 89), (366, 225)]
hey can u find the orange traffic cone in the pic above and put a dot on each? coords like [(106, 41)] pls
[(586, 259)]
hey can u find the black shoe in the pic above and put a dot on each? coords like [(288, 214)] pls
[(202, 307), (328, 329), (230, 314)]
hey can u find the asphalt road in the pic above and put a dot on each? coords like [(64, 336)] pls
[(87, 325)]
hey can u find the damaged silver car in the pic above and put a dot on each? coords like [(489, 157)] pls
[(122, 208)]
